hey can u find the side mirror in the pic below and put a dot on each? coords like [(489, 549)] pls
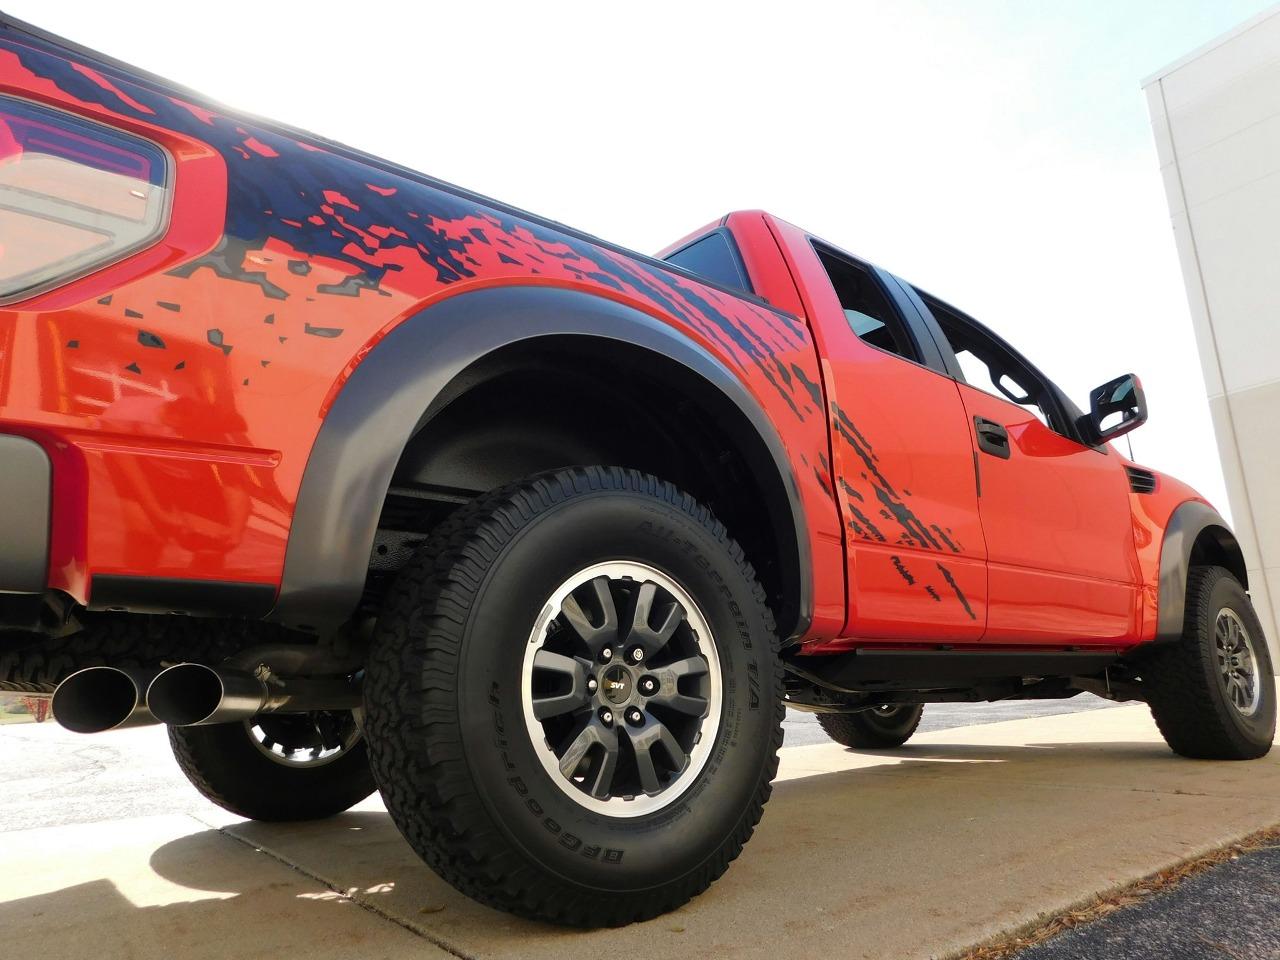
[(1115, 408)]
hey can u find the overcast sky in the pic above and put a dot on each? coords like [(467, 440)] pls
[(998, 154)]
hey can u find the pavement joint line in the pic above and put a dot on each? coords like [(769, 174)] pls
[(348, 895), (900, 771), (921, 775)]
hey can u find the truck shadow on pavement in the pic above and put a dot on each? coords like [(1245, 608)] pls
[(918, 851)]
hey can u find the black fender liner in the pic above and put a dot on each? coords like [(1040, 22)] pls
[(1186, 524), (389, 398)]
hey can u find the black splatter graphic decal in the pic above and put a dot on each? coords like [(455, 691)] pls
[(911, 530), (951, 582), (318, 251), (215, 337), (321, 204)]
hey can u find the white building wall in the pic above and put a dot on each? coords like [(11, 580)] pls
[(1216, 118)]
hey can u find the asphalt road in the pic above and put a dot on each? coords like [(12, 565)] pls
[(1231, 912)]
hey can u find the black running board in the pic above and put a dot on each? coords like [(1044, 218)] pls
[(922, 669)]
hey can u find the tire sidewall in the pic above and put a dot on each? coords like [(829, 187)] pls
[(581, 845)]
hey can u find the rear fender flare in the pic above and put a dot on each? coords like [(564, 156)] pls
[(389, 397)]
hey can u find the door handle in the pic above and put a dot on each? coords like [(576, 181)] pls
[(993, 438)]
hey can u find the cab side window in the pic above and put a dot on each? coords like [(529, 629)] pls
[(866, 306), (988, 364)]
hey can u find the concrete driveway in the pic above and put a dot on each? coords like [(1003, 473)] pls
[(964, 834)]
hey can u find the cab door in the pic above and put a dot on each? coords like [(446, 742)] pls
[(902, 461), (1062, 566)]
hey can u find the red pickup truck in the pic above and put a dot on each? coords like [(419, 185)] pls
[(360, 481)]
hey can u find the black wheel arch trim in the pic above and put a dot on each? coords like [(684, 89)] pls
[(388, 399), (1187, 522)]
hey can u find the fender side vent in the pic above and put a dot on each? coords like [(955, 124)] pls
[(1141, 481)]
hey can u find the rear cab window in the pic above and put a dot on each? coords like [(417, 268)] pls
[(866, 306), (714, 257)]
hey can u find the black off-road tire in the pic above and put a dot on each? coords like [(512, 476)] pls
[(38, 664), (1189, 703), (444, 717), (32, 664), (222, 763), (873, 730)]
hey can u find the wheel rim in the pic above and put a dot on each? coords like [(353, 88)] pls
[(1237, 662), (305, 739), (888, 716), (621, 689)]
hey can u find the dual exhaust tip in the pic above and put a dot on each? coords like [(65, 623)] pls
[(97, 699)]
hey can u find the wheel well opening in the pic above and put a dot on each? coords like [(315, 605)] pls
[(560, 401), (1217, 546)]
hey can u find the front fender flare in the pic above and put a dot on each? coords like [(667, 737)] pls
[(1186, 523), (388, 397)]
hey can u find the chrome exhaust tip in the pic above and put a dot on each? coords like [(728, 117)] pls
[(188, 694), (193, 694), (97, 699)]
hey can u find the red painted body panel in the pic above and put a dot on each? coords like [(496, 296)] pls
[(1150, 513), (771, 277), (179, 392), (190, 465), (904, 473), (1056, 516)]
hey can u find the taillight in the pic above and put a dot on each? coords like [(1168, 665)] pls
[(74, 196)]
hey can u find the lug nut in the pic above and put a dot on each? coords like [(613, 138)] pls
[(591, 684), (606, 654), (648, 685), (635, 717), (606, 717), (637, 654)]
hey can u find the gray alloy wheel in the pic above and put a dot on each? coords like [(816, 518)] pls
[(305, 739), (622, 713), (1237, 662)]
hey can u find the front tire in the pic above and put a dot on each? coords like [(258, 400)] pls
[(503, 736), (1212, 692), (278, 767), (880, 728)]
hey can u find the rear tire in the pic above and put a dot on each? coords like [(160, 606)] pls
[(121, 640), (460, 731), (229, 765), (880, 728), (1212, 692)]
